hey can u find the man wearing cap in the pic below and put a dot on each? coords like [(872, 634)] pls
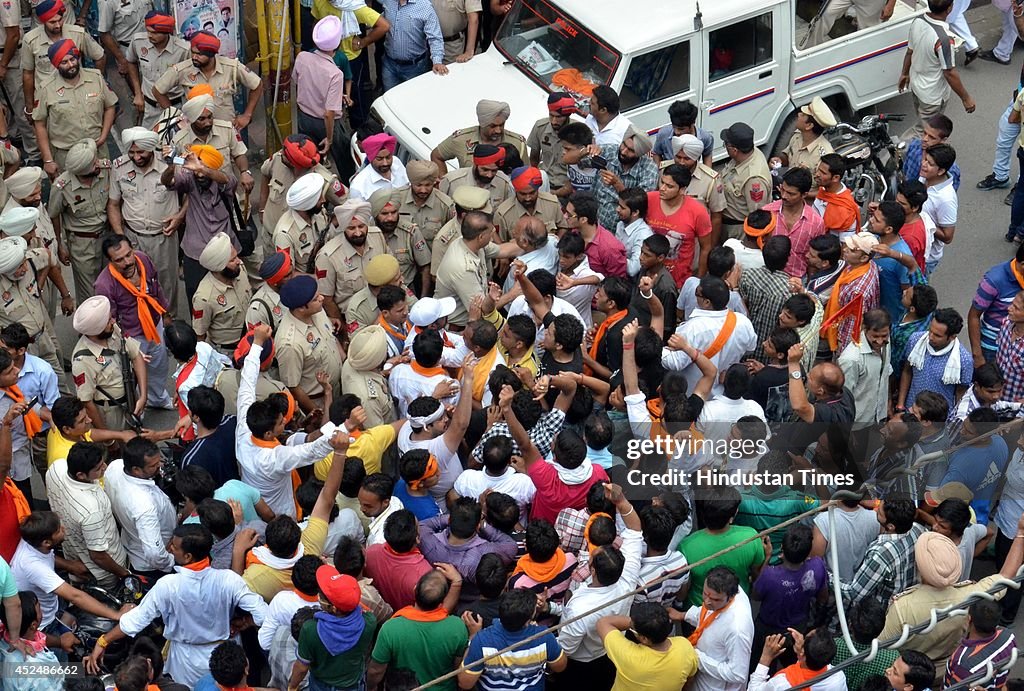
[(432, 314), (230, 378), (96, 364), (382, 270), (422, 204), (220, 134), (149, 54), (362, 375), (705, 182), (72, 105), (809, 143), (265, 306), (143, 209), (629, 165), (746, 178), (463, 272), (528, 201), (222, 298), (341, 264), (855, 292), (485, 173), (384, 171), (545, 151), (224, 75), (302, 229), (306, 343), (491, 116), (78, 209), (404, 240), (130, 282), (23, 273)]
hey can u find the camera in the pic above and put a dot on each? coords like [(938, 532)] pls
[(174, 158), (596, 162)]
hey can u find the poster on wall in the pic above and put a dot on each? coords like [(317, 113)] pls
[(219, 17)]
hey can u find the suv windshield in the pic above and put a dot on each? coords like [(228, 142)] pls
[(554, 50)]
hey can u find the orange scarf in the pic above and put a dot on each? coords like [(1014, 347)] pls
[(707, 618), (482, 371), (397, 335), (608, 323), (586, 529), (723, 336), (263, 443), (21, 507), (427, 371), (797, 675), (306, 598), (444, 336), (144, 301), (834, 314), (197, 565), (1016, 273), (413, 614), (428, 473), (541, 572), (33, 423), (761, 233), (656, 409), (841, 210)]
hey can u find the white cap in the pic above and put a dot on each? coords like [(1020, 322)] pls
[(426, 311)]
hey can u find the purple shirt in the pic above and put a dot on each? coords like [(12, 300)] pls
[(786, 594), (206, 214), (465, 557), (607, 255), (124, 305)]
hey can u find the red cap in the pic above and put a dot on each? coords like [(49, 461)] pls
[(205, 42), (245, 345), (341, 590)]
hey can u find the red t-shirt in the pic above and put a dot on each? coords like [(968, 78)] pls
[(553, 495), (689, 222), (915, 236), (10, 535), (395, 575)]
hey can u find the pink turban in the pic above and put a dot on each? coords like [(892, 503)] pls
[(372, 145)]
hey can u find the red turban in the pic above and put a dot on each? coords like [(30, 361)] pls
[(60, 50), (487, 154), (561, 103), (526, 177), (48, 9), (159, 22), (205, 42), (300, 151)]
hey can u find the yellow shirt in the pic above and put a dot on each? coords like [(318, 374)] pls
[(639, 667), (58, 446), (370, 446), (267, 582)]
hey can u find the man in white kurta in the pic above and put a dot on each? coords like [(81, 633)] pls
[(724, 646)]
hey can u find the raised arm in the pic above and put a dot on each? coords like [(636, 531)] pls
[(464, 409), (530, 453)]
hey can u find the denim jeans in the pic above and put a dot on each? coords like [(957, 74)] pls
[(315, 685), (1017, 208), (1006, 137), (57, 628), (394, 74)]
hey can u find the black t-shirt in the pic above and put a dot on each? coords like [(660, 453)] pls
[(833, 417), (215, 453), (770, 389)]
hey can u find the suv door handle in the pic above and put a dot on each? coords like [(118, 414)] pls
[(708, 104), (764, 75)]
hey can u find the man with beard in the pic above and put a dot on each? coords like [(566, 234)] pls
[(306, 343), (384, 169), (265, 306), (144, 210), (528, 201), (149, 54), (629, 165), (72, 105), (23, 272), (205, 185), (78, 207), (491, 116), (131, 282), (96, 364), (705, 184), (220, 302), (302, 229), (483, 173), (204, 129), (224, 75), (422, 204), (403, 239), (545, 150), (341, 264)]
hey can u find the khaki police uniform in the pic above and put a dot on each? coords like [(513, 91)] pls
[(806, 156), (544, 139), (706, 187), (453, 16), (228, 381), (280, 176), (428, 218), (35, 44), (340, 267), (747, 188), (461, 143), (82, 209), (122, 19), (462, 275), (499, 188), (451, 232), (305, 349), (547, 209), (407, 245), (18, 125), (145, 203), (301, 237), (152, 62), (223, 137), (43, 238), (22, 302), (218, 311), (229, 75), (8, 155), (97, 365), (72, 112), (264, 308), (373, 392)]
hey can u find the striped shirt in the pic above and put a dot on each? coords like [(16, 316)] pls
[(996, 291), (521, 669), (652, 568), (414, 30), (888, 568), (1010, 358), (973, 655)]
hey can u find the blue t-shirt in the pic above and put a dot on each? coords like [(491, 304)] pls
[(979, 467), (892, 276), (423, 507), (246, 495), (216, 452), (206, 683), (786, 594), (519, 670)]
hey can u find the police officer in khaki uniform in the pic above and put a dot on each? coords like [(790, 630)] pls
[(140, 207), (229, 379), (10, 74), (466, 199), (422, 204), (96, 365), (224, 75), (705, 184), (304, 229), (460, 26), (362, 375), (528, 201), (265, 306), (545, 149), (222, 298), (150, 54), (78, 209), (809, 143), (746, 178), (220, 134), (463, 272), (73, 104), (483, 173), (298, 156), (305, 343), (118, 22), (491, 116), (362, 309), (22, 275), (404, 240), (341, 264)]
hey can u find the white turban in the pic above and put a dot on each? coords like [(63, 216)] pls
[(147, 140), (92, 316), (81, 157), (692, 147), (12, 254), (217, 253), (23, 181), (194, 107), (305, 192), (19, 220)]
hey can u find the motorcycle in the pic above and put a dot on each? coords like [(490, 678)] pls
[(89, 627), (872, 157)]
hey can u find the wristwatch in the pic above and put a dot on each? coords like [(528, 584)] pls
[(796, 374)]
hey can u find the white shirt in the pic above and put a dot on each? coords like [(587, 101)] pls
[(368, 180), (375, 536), (855, 530), (580, 297), (519, 486), (558, 307), (449, 355), (632, 238), (196, 607), (941, 209), (579, 639), (88, 520), (146, 516), (407, 385), (867, 378), (724, 648), (720, 414), (746, 257), (448, 462), (209, 365), (612, 133), (270, 469), (280, 611), (687, 301), (759, 681), (36, 572), (701, 330), (933, 51), (545, 257)]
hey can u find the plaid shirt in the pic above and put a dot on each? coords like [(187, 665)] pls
[(764, 291), (888, 568), (569, 525), (1010, 358), (644, 174), (541, 434), (912, 163)]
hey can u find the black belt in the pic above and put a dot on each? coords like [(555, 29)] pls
[(124, 44), (407, 63), (453, 37), (118, 402), (731, 221), (151, 101)]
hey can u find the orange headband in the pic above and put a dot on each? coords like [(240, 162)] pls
[(290, 412), (759, 233), (586, 529), (428, 473)]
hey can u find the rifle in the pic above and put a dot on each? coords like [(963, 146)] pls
[(130, 382)]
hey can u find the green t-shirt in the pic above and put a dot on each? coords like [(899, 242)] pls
[(8, 586), (344, 670), (703, 544), (761, 510), (428, 649)]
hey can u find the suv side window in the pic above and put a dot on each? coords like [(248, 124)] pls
[(657, 75), (740, 46)]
